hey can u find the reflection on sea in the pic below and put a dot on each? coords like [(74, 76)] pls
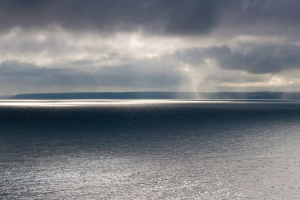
[(118, 149), (93, 102)]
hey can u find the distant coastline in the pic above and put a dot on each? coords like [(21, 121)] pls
[(159, 95), (6, 97)]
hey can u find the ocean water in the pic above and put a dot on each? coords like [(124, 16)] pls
[(142, 149)]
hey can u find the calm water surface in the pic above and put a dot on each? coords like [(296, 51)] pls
[(149, 149)]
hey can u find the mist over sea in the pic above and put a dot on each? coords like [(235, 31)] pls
[(149, 149)]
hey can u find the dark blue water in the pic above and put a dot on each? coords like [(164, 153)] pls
[(149, 149)]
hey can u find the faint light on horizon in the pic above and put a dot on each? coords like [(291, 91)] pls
[(72, 103)]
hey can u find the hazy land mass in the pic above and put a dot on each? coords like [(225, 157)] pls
[(160, 95)]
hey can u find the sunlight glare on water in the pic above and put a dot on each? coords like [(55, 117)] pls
[(93, 102)]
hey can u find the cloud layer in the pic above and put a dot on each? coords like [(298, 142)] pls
[(149, 45), (259, 60), (174, 17), (156, 16)]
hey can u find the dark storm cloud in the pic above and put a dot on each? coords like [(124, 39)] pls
[(272, 11), (260, 60), (26, 74), (176, 16), (156, 16)]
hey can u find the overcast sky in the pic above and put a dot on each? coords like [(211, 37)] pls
[(149, 45)]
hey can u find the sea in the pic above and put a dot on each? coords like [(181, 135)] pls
[(149, 149)]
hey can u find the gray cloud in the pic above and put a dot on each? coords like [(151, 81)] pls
[(154, 16), (272, 11), (176, 16), (14, 73), (259, 60)]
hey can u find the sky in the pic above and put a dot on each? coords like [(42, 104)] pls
[(149, 45)]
